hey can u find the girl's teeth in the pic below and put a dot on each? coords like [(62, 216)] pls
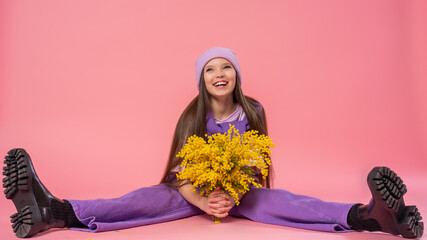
[(221, 84)]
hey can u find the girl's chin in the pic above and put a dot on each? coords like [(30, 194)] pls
[(221, 96), (220, 91)]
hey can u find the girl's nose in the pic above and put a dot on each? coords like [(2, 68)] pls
[(220, 74)]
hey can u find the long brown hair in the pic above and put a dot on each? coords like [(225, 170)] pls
[(193, 122)]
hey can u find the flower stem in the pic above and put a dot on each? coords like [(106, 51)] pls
[(216, 219)]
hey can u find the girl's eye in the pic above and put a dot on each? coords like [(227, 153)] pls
[(227, 66), (208, 69)]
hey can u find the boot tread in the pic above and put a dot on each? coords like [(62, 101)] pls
[(23, 222), (390, 186), (15, 173), (410, 225), (388, 189)]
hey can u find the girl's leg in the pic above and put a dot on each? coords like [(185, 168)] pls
[(385, 212), (281, 207), (141, 207), (38, 210)]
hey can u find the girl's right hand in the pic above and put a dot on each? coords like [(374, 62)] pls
[(218, 204)]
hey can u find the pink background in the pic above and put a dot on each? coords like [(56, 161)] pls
[(93, 90)]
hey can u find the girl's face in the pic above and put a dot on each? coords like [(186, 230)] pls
[(220, 78)]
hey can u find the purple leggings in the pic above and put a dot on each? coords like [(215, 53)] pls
[(161, 203)]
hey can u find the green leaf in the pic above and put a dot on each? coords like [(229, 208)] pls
[(249, 171), (239, 186)]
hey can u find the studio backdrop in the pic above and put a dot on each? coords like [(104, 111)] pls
[(93, 89)]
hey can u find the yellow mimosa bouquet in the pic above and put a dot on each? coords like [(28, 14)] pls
[(226, 161)]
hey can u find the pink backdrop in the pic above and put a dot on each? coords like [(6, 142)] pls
[(93, 89)]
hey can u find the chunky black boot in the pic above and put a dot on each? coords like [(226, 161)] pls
[(386, 211), (30, 197)]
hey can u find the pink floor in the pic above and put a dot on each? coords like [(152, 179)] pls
[(201, 226)]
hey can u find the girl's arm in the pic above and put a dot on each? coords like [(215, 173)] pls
[(193, 197)]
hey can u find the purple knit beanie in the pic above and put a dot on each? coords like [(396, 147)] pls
[(216, 52)]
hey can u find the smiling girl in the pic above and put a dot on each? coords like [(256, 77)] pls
[(220, 102)]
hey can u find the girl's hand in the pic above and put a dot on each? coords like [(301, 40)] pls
[(219, 204)]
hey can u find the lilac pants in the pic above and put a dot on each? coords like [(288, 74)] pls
[(161, 203)]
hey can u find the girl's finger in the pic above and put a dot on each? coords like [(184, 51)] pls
[(214, 199), (221, 196), (217, 211), (215, 205), (214, 193), (223, 215), (225, 209), (225, 202)]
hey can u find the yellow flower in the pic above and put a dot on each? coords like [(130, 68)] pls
[(226, 161)]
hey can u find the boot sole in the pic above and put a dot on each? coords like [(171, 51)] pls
[(24, 222), (18, 188), (388, 190)]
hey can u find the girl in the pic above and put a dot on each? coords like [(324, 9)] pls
[(220, 102)]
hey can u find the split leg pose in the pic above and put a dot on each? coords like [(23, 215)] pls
[(38, 210), (220, 102)]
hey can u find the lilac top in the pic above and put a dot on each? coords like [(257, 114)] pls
[(237, 115), (237, 118)]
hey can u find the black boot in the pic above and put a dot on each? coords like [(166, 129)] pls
[(30, 197), (386, 211)]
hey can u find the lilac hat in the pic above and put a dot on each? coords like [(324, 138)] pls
[(216, 52)]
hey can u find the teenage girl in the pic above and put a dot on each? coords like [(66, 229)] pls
[(220, 102)]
